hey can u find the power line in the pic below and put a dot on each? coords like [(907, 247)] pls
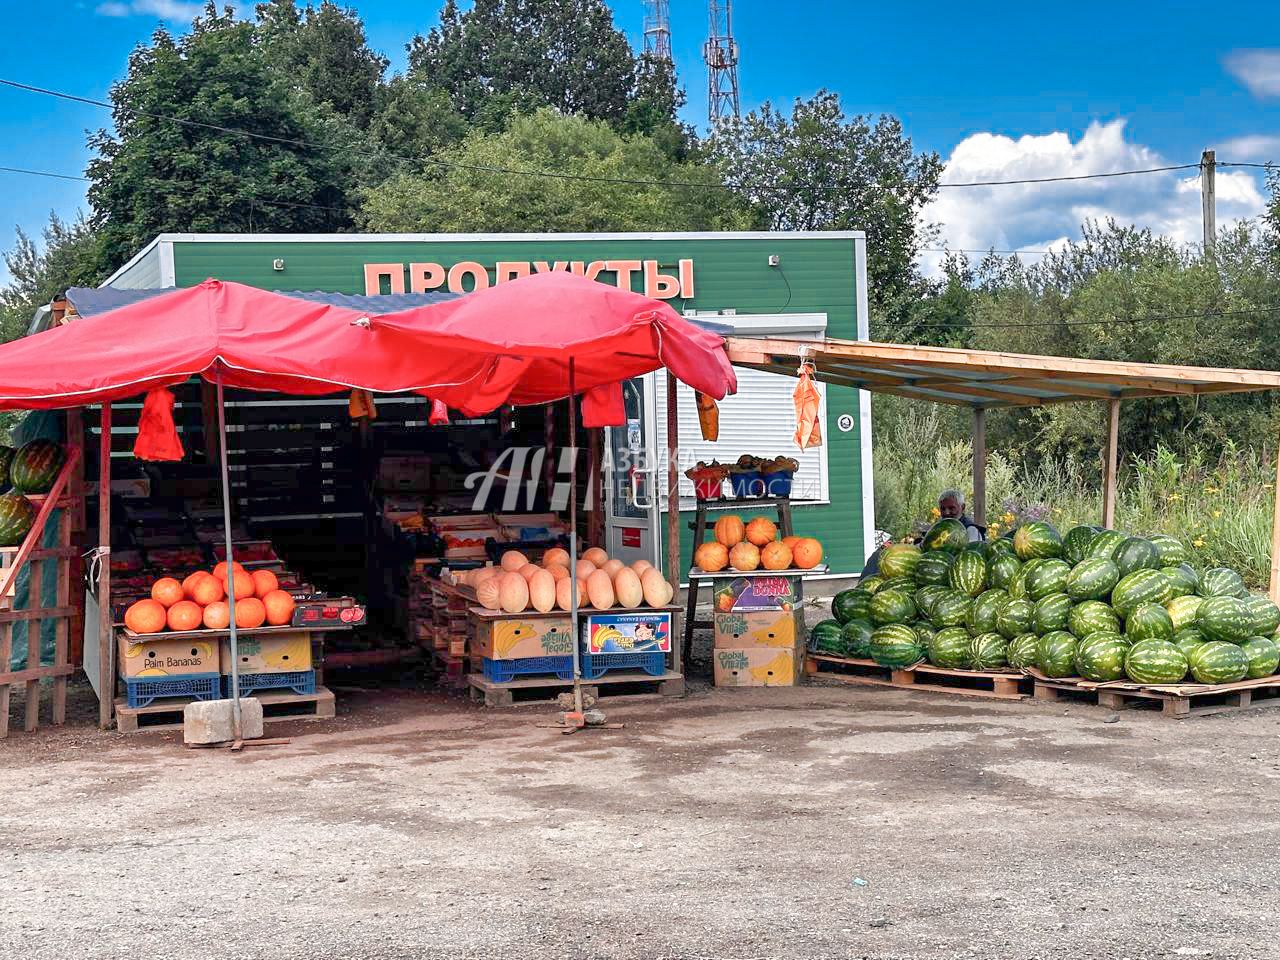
[(1077, 176), (42, 173), (1268, 165), (976, 250), (1205, 315)]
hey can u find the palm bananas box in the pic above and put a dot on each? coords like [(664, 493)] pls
[(756, 667), (756, 628), (284, 652), (520, 637), (162, 656)]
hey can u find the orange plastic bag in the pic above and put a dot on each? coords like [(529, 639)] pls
[(157, 436), (808, 423)]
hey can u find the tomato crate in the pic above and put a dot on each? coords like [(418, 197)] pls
[(299, 681), (143, 692)]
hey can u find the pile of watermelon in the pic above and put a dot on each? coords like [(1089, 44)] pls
[(32, 468), (1094, 603)]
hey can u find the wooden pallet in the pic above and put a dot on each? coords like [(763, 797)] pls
[(277, 707), (989, 685), (1177, 700), (546, 689)]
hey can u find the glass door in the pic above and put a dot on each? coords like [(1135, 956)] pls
[(631, 503)]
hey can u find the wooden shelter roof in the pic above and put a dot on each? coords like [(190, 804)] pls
[(984, 378)]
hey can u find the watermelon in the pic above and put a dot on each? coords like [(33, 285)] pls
[(1183, 579), (1221, 582), (927, 595), (35, 466), (6, 458), (1266, 615), (1075, 545), (1001, 548), (826, 636), (1136, 553), (1100, 657), (1056, 654), (969, 573), (1017, 585), (1184, 611), (1189, 640), (1139, 587), (1037, 539), (899, 560), (1014, 618), (851, 605), (856, 639), (1104, 544), (1090, 617), (947, 534), (1149, 621), (950, 648), (933, 567), (895, 645), (870, 584), (989, 651), (1155, 661), (1024, 651), (1092, 579), (1002, 570), (1046, 578), (984, 610), (892, 606), (924, 632), (1219, 662), (17, 516), (906, 584), (950, 610), (1051, 613), (1172, 551), (1225, 618), (1264, 657)]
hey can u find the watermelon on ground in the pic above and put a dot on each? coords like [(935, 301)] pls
[(856, 639), (1184, 611), (896, 645), (1051, 613), (1266, 615), (1264, 657), (1046, 578), (1219, 662), (1100, 657), (1139, 587), (933, 567), (826, 636), (946, 534), (1149, 621), (1002, 570), (899, 559), (1056, 654), (1090, 617), (950, 648), (851, 605), (1024, 651), (1014, 618), (968, 573), (1036, 540), (1076, 542), (35, 466), (989, 651), (1092, 579), (1225, 618), (1221, 582), (1155, 661), (984, 610), (950, 609), (17, 516), (1172, 550), (1183, 579), (1105, 543), (892, 606)]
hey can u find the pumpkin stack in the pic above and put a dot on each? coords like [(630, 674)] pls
[(200, 602), (754, 546)]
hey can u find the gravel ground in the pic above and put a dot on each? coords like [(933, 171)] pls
[(818, 821)]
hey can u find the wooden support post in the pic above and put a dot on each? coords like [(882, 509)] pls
[(1208, 201), (75, 439), (595, 502), (209, 421), (1109, 465), (548, 450), (674, 552), (106, 652), (980, 466), (1275, 537)]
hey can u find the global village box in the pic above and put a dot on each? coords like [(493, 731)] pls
[(285, 652), (756, 593), (647, 631), (757, 628), (756, 667), (519, 637)]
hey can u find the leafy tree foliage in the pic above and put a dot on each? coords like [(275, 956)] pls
[(71, 256)]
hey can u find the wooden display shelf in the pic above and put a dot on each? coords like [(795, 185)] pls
[(206, 633), (1177, 700), (986, 684), (277, 706), (483, 613), (546, 689), (728, 573)]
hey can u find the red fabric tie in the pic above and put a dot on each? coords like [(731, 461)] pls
[(602, 406), (439, 414), (157, 436)]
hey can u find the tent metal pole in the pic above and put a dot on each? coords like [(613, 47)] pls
[(233, 639), (573, 544)]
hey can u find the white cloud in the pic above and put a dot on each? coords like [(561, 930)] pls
[(163, 9), (1255, 147), (1040, 216), (1258, 70)]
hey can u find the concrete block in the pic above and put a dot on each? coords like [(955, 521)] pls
[(212, 721)]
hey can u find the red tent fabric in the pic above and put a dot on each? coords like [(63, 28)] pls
[(507, 344)]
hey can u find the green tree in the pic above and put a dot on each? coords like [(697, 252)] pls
[(415, 120), (471, 193), (71, 257)]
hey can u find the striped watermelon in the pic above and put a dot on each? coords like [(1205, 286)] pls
[(1002, 570), (1184, 611), (1189, 640), (892, 606), (1105, 543), (924, 632), (1014, 618), (1266, 615), (1092, 579), (899, 560), (1017, 585), (1100, 657), (870, 584), (1149, 621), (1139, 587), (1056, 654), (1090, 617), (1219, 662), (1155, 661), (1051, 613), (946, 534), (1046, 578), (989, 651), (1024, 651), (933, 568), (1172, 550), (17, 516), (950, 609), (950, 648), (851, 605), (1264, 657), (895, 645), (984, 610), (1136, 553), (856, 639), (907, 584), (1037, 539), (1075, 545), (35, 466), (969, 573), (926, 596), (1002, 547), (1183, 579), (1225, 618), (826, 636), (1221, 582), (6, 458)]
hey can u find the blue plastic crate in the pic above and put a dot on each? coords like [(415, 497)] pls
[(500, 671), (299, 681), (143, 691), (596, 665)]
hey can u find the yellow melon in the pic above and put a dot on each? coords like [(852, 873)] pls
[(542, 591), (585, 568), (513, 592), (600, 590), (487, 594), (729, 530), (654, 586), (626, 587), (558, 572), (596, 556), (528, 571), (556, 555), (563, 600), (761, 530), (611, 567), (744, 556), (513, 560), (640, 566)]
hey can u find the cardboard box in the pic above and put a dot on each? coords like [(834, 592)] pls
[(163, 656), (756, 593), (645, 631), (284, 652), (757, 628), (319, 612), (520, 637), (756, 667)]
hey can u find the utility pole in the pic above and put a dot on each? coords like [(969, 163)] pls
[(721, 54), (1208, 204)]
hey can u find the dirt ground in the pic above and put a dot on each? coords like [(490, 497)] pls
[(819, 821)]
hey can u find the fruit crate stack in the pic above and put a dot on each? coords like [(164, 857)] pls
[(757, 630), (420, 609), (451, 632)]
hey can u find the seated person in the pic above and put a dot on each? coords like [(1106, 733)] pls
[(951, 506)]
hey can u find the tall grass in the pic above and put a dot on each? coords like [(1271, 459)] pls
[(1221, 508)]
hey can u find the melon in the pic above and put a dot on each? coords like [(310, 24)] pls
[(807, 553), (264, 581), (188, 584), (542, 591), (241, 583), (279, 606), (626, 587), (761, 530), (584, 568), (655, 587), (775, 555), (250, 613), (513, 592), (528, 571), (184, 615), (640, 566), (556, 555), (729, 530), (744, 556), (596, 556), (207, 589), (611, 567), (217, 615), (487, 594), (600, 590), (711, 557), (167, 591), (513, 560), (564, 599), (146, 616), (558, 572), (484, 573)]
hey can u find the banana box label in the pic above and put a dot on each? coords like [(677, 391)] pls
[(522, 637), (755, 628), (648, 632), (756, 593), (756, 667), (167, 657), (270, 653)]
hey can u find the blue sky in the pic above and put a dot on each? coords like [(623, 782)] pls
[(1001, 92)]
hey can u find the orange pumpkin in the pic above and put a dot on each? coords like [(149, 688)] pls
[(744, 556), (807, 553), (189, 583), (220, 570), (242, 583), (264, 581), (250, 613), (217, 615), (279, 606), (775, 555), (166, 591), (185, 615), (146, 616), (761, 530), (711, 557), (207, 589), (729, 530)]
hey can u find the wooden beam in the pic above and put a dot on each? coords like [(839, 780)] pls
[(980, 466), (1109, 465), (595, 483), (1275, 537), (905, 390), (106, 652), (674, 552)]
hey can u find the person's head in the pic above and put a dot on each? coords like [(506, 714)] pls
[(951, 504)]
